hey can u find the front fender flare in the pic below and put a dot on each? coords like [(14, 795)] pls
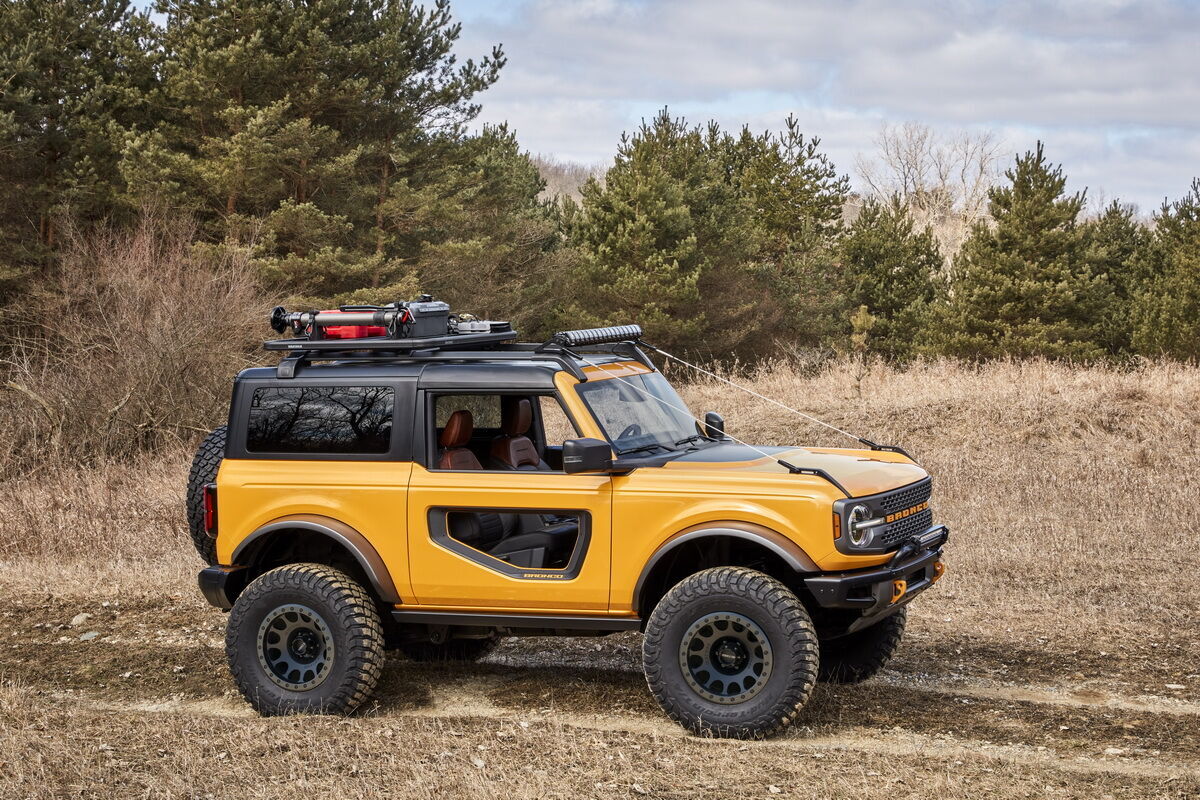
[(791, 553), (358, 546)]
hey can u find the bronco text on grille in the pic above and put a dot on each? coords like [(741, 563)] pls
[(906, 511)]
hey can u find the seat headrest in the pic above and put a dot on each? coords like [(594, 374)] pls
[(458, 429), (516, 415)]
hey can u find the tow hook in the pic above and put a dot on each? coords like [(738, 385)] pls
[(898, 589), (939, 569)]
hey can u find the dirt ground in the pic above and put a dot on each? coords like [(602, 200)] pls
[(1060, 657), (135, 701)]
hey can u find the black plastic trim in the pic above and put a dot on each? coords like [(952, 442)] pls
[(816, 471), (371, 562), (888, 448), (222, 585), (441, 537), (537, 621), (800, 566), (834, 590)]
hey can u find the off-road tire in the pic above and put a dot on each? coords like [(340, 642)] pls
[(775, 610), (860, 655), (204, 470), (353, 627), (452, 650)]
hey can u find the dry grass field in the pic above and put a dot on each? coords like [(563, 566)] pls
[(1059, 658)]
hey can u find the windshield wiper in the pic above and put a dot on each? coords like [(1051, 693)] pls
[(642, 449), (691, 439)]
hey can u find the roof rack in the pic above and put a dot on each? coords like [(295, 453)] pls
[(460, 347)]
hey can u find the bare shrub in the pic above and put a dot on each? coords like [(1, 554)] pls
[(128, 346), (942, 178), (565, 178)]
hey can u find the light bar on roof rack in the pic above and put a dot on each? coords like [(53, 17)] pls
[(589, 336)]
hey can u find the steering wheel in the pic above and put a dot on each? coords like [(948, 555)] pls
[(631, 430)]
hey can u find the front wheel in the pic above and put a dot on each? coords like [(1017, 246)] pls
[(304, 638), (731, 652)]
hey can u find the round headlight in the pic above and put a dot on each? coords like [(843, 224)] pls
[(859, 536)]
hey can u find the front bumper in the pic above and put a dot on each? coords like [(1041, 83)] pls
[(221, 585), (880, 591)]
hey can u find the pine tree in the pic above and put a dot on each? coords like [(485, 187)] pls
[(714, 243), (1023, 286), (891, 270), (1167, 309), (1115, 249), (639, 230), (489, 249), (76, 77), (298, 125)]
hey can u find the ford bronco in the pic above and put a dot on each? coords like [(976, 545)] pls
[(408, 479)]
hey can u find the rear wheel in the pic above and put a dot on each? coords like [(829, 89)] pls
[(860, 655), (304, 638), (451, 650), (730, 652)]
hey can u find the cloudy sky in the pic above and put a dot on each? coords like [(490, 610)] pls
[(1113, 87)]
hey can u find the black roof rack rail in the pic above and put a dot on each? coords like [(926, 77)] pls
[(518, 352), (311, 344), (288, 366), (388, 343)]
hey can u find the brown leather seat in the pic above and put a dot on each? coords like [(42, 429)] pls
[(453, 442), (512, 449)]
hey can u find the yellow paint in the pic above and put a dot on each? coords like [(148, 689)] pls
[(441, 577), (369, 496), (632, 515)]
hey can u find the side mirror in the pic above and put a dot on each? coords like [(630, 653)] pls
[(714, 425), (586, 455)]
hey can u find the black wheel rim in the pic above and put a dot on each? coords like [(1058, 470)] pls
[(725, 658), (295, 648)]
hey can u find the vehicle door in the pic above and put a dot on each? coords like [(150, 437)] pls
[(483, 534)]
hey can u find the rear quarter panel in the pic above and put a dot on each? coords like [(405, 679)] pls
[(369, 496)]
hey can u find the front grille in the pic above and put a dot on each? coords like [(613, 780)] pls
[(906, 528), (904, 498), (900, 531)]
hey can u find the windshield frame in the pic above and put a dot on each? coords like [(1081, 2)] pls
[(680, 433)]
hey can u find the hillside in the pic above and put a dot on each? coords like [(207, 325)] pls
[(1057, 658)]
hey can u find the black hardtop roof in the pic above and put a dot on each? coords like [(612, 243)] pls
[(493, 373)]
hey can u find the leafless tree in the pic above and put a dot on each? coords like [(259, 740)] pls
[(565, 178), (942, 177)]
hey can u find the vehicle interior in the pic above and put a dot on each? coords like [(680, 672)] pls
[(506, 433)]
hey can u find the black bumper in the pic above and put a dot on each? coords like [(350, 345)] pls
[(221, 585), (872, 591)]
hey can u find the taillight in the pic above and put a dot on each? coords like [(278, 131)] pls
[(210, 509)]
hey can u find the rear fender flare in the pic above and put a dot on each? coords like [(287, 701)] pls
[(351, 540)]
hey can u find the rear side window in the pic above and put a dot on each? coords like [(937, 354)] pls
[(321, 419)]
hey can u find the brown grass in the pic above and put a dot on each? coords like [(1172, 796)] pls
[(1046, 664)]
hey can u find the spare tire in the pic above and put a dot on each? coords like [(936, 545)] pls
[(204, 470)]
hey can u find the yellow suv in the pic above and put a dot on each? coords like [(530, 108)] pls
[(397, 484)]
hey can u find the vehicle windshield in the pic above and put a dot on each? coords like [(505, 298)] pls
[(635, 414)]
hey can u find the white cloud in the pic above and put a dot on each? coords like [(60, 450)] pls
[(1113, 86)]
